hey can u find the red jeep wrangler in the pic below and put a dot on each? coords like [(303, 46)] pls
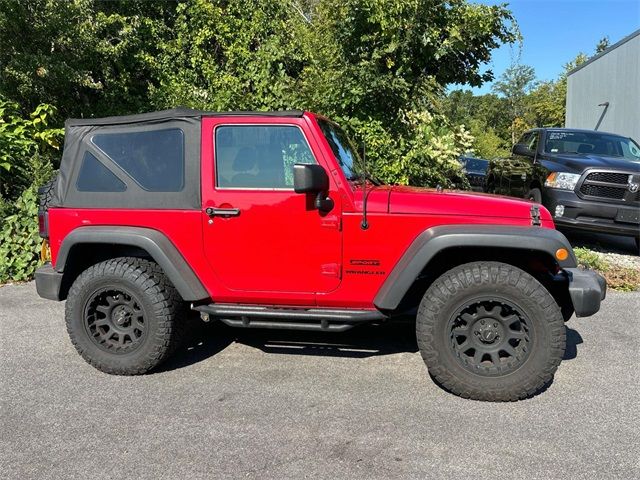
[(262, 219)]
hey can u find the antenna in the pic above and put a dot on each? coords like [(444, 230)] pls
[(364, 224)]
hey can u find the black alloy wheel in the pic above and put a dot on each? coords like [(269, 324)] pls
[(490, 337), (114, 320), (124, 316), (490, 331)]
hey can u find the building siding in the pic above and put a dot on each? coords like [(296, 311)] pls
[(612, 77)]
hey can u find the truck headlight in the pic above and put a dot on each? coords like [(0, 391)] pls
[(562, 180)]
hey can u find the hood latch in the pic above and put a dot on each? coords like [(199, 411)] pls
[(535, 215)]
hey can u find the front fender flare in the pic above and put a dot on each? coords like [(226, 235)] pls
[(436, 239), (155, 243)]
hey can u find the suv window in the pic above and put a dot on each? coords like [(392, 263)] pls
[(154, 159), (259, 156), (95, 177), (530, 140), (524, 139)]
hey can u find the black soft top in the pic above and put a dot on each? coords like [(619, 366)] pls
[(172, 114), (143, 161)]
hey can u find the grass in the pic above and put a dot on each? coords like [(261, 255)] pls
[(618, 277)]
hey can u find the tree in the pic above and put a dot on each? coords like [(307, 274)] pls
[(486, 117), (374, 65), (602, 44), (85, 57), (514, 85), (547, 102)]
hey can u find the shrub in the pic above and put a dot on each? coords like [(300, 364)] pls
[(19, 239)]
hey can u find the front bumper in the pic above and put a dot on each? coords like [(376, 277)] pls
[(591, 215), (587, 289), (48, 282)]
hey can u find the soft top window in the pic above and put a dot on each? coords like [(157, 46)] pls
[(154, 159), (95, 177)]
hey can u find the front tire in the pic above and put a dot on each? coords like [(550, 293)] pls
[(490, 331), (122, 316)]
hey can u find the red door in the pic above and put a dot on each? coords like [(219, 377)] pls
[(259, 235)]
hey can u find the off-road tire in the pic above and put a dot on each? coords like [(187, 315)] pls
[(45, 194), (163, 309), (463, 285)]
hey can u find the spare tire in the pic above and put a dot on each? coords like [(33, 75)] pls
[(45, 194)]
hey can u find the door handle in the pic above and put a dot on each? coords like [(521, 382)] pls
[(222, 212)]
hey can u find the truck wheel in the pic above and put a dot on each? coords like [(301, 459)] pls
[(123, 316), (490, 331)]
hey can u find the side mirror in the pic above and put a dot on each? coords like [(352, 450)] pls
[(522, 150), (313, 179)]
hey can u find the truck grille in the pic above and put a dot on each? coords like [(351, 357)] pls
[(602, 191), (608, 177), (611, 186)]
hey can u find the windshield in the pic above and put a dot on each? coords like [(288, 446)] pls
[(591, 143), (344, 151), (474, 164)]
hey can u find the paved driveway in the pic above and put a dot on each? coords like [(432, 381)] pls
[(249, 404)]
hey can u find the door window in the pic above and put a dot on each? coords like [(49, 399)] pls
[(259, 156)]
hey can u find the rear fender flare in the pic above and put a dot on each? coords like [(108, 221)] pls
[(155, 243)]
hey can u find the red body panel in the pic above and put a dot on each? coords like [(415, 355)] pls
[(282, 251)]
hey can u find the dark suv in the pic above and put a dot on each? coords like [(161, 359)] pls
[(588, 180)]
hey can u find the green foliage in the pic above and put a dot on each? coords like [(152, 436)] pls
[(486, 142), (378, 67), (485, 116), (520, 102), (426, 155), (26, 147), (19, 240), (619, 277), (514, 85), (602, 44), (590, 259), (85, 57)]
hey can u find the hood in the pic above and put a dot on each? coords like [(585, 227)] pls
[(429, 201), (577, 163)]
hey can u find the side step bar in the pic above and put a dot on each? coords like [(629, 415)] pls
[(315, 319)]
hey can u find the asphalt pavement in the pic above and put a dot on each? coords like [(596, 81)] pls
[(265, 404)]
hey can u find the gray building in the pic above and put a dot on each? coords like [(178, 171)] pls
[(604, 92)]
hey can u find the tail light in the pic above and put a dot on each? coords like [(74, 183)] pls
[(43, 223)]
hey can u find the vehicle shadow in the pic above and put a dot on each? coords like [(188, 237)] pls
[(203, 340), (360, 342), (573, 340)]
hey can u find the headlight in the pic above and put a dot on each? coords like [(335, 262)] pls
[(562, 180)]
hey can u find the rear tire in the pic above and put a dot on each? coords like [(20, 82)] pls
[(490, 331), (123, 316)]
